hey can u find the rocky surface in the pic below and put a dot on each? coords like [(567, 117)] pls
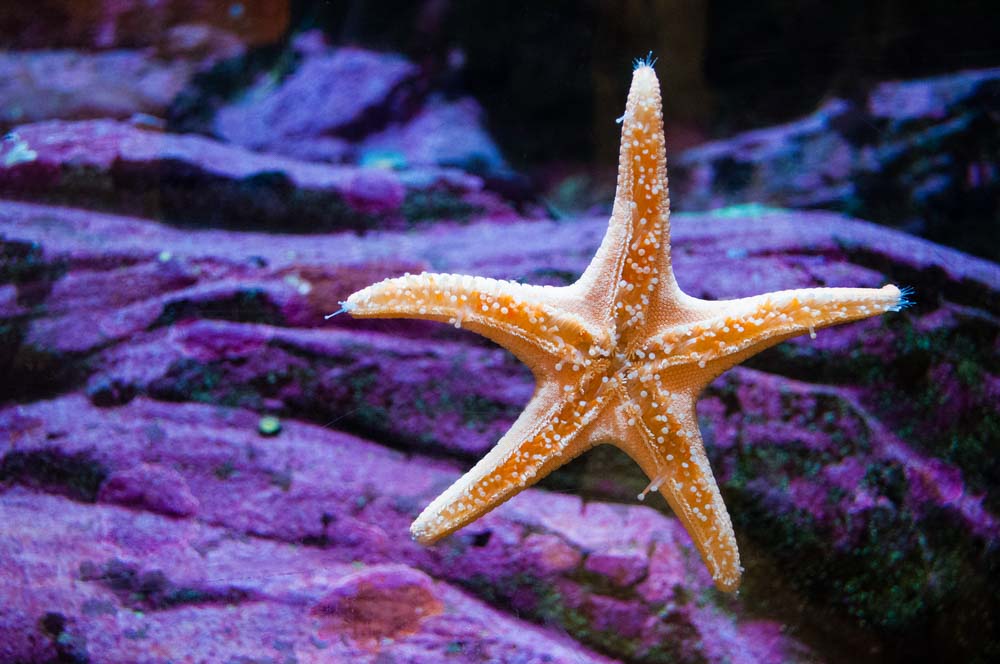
[(172, 514), (190, 179), (341, 105), (196, 465), (330, 93), (401, 155), (207, 566), (918, 155), (146, 364), (117, 59), (37, 86)]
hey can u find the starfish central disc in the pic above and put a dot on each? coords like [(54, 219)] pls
[(620, 356)]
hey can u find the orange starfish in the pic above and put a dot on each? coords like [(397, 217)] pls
[(620, 356)]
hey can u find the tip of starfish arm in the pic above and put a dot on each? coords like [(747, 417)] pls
[(648, 61), (645, 85), (423, 534), (345, 308), (905, 298)]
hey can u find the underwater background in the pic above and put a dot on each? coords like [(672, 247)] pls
[(195, 466)]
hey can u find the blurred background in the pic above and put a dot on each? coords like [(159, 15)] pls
[(548, 80)]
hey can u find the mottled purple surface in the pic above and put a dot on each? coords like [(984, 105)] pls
[(331, 93), (66, 84), (349, 105), (827, 456), (196, 466), (918, 155), (443, 134), (191, 179), (277, 531)]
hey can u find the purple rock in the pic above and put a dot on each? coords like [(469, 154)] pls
[(334, 93), (835, 455), (912, 156), (620, 568), (104, 582), (348, 501), (927, 99), (381, 602), (150, 487), (375, 192), (146, 512), (553, 554), (42, 85), (441, 134), (349, 105), (192, 179)]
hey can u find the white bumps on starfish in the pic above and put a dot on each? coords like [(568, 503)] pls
[(618, 357)]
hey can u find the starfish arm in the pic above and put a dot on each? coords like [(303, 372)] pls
[(745, 327), (632, 266), (664, 440), (545, 436), (620, 356), (516, 316)]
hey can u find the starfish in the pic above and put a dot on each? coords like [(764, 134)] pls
[(618, 357)]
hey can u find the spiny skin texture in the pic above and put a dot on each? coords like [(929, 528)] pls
[(620, 356)]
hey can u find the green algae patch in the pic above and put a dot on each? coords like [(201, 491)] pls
[(419, 206)]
